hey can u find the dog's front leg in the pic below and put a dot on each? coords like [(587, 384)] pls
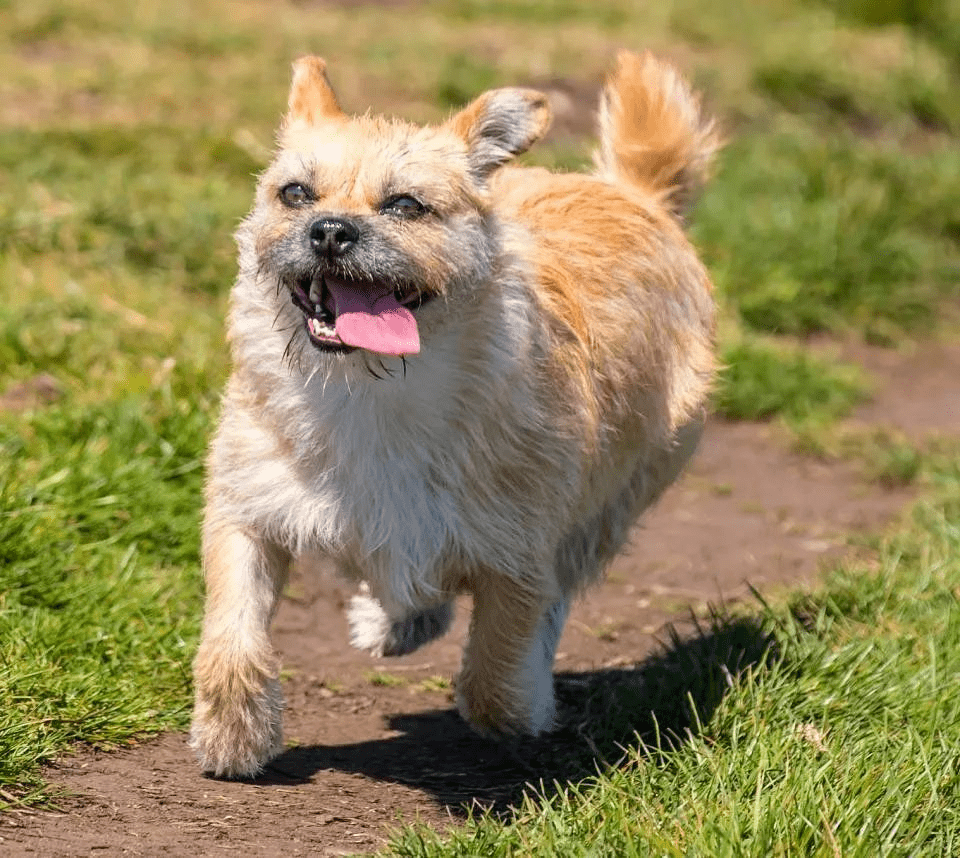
[(236, 721), (505, 686)]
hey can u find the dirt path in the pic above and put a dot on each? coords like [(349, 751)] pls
[(376, 741)]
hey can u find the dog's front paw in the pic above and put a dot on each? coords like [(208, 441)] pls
[(505, 687), (235, 737), (498, 708), (372, 629)]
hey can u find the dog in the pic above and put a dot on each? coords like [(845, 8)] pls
[(450, 375)]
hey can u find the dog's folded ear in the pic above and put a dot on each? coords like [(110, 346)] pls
[(500, 124), (312, 99)]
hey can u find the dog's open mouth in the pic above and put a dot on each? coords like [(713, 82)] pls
[(342, 315)]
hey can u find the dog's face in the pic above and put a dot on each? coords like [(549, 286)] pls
[(364, 221)]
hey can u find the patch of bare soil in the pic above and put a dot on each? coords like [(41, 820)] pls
[(39, 390), (376, 741), (926, 379), (573, 104)]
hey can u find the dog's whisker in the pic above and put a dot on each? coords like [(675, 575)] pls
[(370, 370), (313, 372), (286, 352)]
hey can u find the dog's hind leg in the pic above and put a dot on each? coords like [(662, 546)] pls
[(236, 722), (375, 631)]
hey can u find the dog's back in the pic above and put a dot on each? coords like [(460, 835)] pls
[(630, 302)]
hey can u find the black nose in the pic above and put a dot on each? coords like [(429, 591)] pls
[(333, 236)]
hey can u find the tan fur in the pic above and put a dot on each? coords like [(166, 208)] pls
[(652, 132), (311, 98), (565, 360)]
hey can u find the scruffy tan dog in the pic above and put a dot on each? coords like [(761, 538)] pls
[(449, 376)]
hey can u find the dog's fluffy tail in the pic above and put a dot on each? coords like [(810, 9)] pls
[(652, 133)]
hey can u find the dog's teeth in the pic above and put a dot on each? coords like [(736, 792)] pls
[(319, 329)]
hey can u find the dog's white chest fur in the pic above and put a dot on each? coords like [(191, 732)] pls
[(399, 479)]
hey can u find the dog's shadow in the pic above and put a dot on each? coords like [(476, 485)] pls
[(661, 700)]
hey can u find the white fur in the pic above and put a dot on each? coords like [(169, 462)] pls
[(536, 673), (234, 735), (369, 623), (387, 488), (373, 630)]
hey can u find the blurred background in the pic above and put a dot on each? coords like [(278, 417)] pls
[(130, 132)]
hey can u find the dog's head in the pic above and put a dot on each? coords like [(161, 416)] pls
[(363, 221)]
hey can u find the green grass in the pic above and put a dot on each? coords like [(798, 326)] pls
[(935, 20), (847, 742), (98, 546), (544, 12), (149, 200), (761, 381), (833, 235), (128, 146), (385, 680)]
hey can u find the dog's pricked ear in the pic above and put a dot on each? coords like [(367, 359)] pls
[(312, 99), (500, 124)]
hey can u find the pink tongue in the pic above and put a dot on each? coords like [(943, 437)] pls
[(373, 320)]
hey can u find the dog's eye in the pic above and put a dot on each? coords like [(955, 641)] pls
[(295, 194), (403, 206)]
